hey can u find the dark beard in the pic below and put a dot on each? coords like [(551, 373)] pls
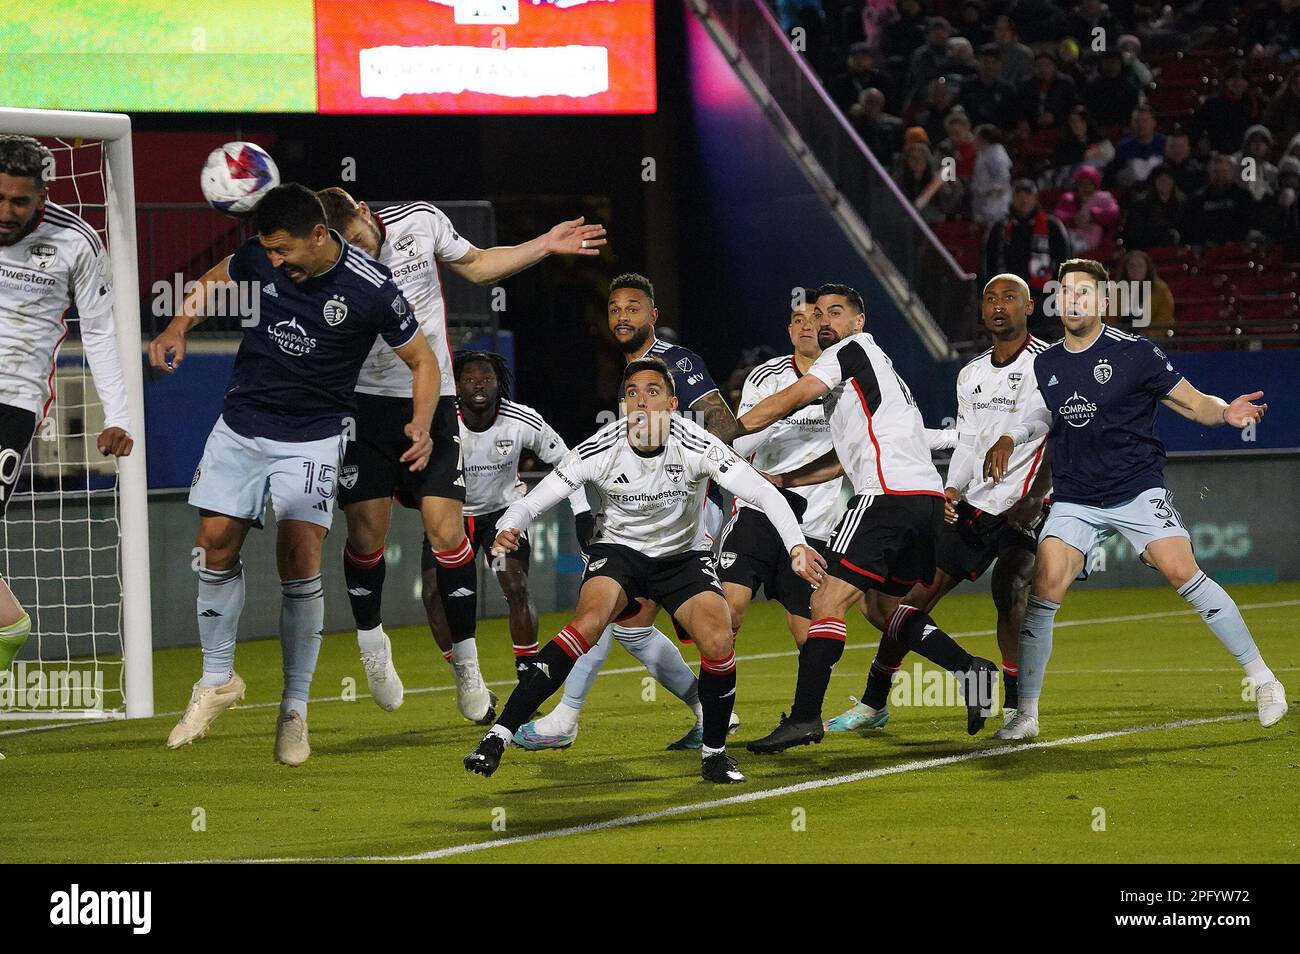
[(636, 342)]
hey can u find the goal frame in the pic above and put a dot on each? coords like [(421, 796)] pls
[(114, 131)]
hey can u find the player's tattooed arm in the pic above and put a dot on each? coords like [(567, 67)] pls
[(713, 413), (167, 351), (1210, 411), (817, 471), (425, 379), (486, 265), (780, 405)]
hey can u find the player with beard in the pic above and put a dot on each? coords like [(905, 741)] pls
[(632, 318), (884, 543), (410, 240), (985, 521), (50, 261), (494, 432), (651, 469), (1099, 389)]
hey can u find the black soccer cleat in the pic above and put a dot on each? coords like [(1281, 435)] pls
[(489, 717), (721, 770), (978, 684), (787, 735), (485, 759)]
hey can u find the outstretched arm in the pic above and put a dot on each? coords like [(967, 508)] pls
[(747, 484), (782, 404), (167, 351), (485, 265), (816, 471), (1210, 411), (552, 488)]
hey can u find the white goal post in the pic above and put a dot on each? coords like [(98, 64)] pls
[(113, 131)]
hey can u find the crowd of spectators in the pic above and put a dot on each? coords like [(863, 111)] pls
[(1052, 129)]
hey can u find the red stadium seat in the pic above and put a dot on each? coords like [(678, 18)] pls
[(1267, 309), (1195, 286), (1171, 253), (1185, 68), (1226, 253), (1272, 282)]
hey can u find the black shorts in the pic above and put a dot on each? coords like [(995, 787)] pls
[(17, 427), (753, 555), (482, 533), (669, 581), (967, 548), (887, 542), (372, 466)]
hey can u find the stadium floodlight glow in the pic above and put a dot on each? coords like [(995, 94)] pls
[(129, 501)]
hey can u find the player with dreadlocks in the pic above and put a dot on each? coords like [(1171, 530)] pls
[(494, 431)]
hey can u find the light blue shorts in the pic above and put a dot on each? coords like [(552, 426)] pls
[(237, 474), (1148, 516)]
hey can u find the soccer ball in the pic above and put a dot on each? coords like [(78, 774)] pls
[(236, 176)]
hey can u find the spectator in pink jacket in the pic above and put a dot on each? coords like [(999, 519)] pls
[(1091, 214)]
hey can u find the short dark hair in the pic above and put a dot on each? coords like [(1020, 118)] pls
[(991, 50), (340, 207), (1044, 55), (844, 291), (498, 364), (1086, 265), (26, 158), (291, 207), (810, 295), (647, 364), (633, 280)]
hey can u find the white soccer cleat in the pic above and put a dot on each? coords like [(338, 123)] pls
[(291, 745), (385, 685), (1020, 727), (733, 723), (477, 703), (1008, 715), (206, 703), (1271, 699)]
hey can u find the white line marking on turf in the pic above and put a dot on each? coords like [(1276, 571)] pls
[(627, 670), (747, 797)]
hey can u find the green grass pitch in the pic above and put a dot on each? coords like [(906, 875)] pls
[(1122, 776)]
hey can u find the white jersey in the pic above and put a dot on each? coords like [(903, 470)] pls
[(491, 458), (877, 430), (654, 504), (59, 264), (991, 400), (415, 238), (790, 443)]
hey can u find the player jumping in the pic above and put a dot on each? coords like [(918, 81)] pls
[(1099, 389), (494, 432), (281, 433), (651, 470), (984, 521), (50, 261), (411, 240)]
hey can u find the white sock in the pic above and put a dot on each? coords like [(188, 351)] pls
[(294, 705), (1028, 707), (464, 651), (1259, 672), (564, 716), (699, 714), (371, 640), (210, 680), (501, 732), (705, 751)]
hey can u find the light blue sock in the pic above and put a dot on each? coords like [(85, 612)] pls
[(1220, 612), (302, 618), (662, 658), (1035, 651), (585, 670), (221, 600)]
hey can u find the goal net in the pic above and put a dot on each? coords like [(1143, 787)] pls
[(74, 539)]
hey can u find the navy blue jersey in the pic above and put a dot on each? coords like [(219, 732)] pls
[(297, 368), (1103, 402), (690, 376)]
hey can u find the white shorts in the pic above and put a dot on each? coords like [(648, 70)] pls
[(1148, 516), (238, 473)]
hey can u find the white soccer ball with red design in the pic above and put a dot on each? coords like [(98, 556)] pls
[(236, 176)]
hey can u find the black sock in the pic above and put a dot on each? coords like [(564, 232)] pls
[(1010, 686), (821, 651), (717, 698), (918, 632), (458, 589), (889, 656), (364, 575), (545, 674)]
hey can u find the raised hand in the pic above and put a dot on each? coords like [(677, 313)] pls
[(575, 238), (1243, 412)]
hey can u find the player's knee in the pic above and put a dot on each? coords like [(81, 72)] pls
[(446, 539), (713, 642)]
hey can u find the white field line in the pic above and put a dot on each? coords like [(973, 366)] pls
[(1104, 620), (747, 797)]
